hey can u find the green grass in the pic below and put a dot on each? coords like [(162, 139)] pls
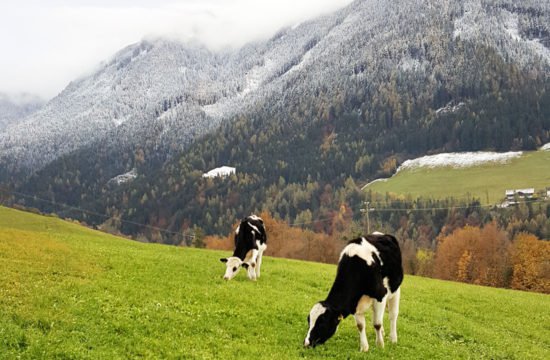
[(487, 182), (70, 292)]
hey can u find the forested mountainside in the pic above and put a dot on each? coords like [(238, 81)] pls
[(311, 113), (16, 107)]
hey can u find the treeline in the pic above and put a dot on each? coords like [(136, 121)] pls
[(488, 256)]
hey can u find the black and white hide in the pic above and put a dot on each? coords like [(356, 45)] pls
[(369, 275), (250, 243)]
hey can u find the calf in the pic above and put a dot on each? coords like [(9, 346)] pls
[(250, 243), (369, 273)]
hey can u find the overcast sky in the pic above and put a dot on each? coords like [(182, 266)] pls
[(47, 43)]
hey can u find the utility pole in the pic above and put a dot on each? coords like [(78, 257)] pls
[(367, 209)]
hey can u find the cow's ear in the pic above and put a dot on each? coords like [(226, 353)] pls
[(223, 260), (245, 265)]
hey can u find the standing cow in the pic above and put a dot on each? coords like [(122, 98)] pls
[(250, 243), (369, 274)]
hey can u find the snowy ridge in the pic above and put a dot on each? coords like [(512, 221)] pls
[(458, 160), (491, 20)]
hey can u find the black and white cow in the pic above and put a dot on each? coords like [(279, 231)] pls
[(250, 243), (369, 274)]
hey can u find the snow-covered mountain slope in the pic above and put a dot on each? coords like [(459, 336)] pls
[(127, 90), (14, 107), (167, 93)]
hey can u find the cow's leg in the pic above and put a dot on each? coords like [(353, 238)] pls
[(393, 307), (252, 264), (360, 322), (377, 320), (259, 262)]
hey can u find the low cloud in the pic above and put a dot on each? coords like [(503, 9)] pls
[(45, 46)]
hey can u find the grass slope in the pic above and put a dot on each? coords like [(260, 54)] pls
[(70, 292), (487, 182)]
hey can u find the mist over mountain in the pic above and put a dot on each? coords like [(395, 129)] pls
[(14, 107), (339, 99)]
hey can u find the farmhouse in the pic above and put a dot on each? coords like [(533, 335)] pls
[(520, 193), (222, 171)]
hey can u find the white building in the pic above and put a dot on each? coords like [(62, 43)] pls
[(520, 193), (222, 171)]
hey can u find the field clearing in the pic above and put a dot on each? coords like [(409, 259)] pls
[(71, 292), (487, 182)]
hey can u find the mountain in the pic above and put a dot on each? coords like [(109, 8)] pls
[(14, 108), (303, 117), (123, 95), (159, 91)]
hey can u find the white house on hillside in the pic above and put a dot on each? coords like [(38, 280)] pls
[(520, 193), (222, 171)]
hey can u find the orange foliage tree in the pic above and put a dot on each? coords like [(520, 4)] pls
[(531, 263), (474, 255)]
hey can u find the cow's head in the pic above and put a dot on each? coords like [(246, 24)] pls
[(233, 265), (323, 322)]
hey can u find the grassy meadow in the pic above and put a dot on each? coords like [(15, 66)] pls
[(69, 292), (487, 182)]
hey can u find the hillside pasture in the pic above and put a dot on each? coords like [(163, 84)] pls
[(487, 182), (71, 292)]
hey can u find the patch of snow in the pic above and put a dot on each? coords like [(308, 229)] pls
[(305, 58), (450, 108), (256, 75), (222, 171), (459, 160), (511, 26), (213, 110), (124, 178), (118, 121), (410, 64), (468, 26)]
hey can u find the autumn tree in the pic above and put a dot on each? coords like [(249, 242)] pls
[(474, 255), (531, 263)]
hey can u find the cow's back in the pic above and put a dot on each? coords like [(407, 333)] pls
[(390, 255)]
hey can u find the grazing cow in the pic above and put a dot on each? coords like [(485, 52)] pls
[(250, 243), (369, 273)]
